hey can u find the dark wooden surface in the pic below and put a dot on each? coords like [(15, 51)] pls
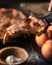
[(39, 8)]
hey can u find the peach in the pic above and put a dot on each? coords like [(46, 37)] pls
[(49, 32), (47, 49), (40, 40)]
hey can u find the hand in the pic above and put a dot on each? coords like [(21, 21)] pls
[(50, 6)]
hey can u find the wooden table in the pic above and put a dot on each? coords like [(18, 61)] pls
[(39, 8)]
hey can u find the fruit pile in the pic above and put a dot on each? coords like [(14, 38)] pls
[(45, 42)]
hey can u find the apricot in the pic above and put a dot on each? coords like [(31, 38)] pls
[(40, 40), (47, 49), (49, 32)]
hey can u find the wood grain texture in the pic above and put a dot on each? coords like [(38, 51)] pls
[(39, 8)]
